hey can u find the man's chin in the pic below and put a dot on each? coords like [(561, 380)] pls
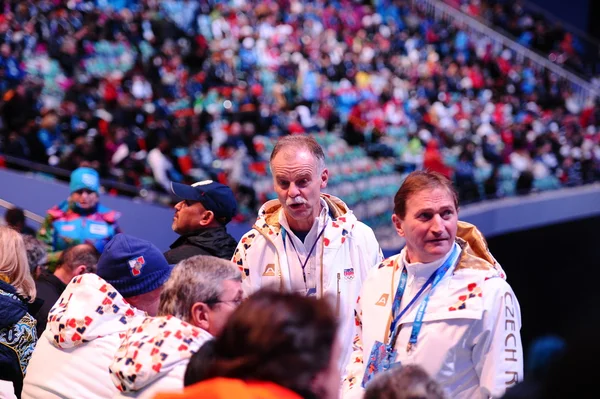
[(439, 250), (300, 213), (439, 243)]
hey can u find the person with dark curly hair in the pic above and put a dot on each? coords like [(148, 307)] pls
[(274, 345)]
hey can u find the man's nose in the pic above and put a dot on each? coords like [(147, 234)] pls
[(293, 191), (437, 225)]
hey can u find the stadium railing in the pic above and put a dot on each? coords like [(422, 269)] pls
[(582, 90)]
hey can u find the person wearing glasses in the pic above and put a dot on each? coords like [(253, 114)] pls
[(274, 346), (79, 219), (195, 304)]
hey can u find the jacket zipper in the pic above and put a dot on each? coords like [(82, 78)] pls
[(337, 304)]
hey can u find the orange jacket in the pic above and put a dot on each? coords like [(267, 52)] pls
[(225, 388)]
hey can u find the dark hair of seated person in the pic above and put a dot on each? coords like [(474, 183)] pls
[(200, 363), (283, 338)]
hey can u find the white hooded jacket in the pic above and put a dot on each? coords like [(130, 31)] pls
[(345, 253), (85, 329), (154, 356), (469, 340)]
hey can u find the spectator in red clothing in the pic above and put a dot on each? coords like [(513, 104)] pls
[(433, 160)]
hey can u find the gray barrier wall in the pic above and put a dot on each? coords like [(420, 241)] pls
[(153, 222)]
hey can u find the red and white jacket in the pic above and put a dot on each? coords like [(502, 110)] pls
[(154, 356), (85, 329), (345, 253), (469, 340)]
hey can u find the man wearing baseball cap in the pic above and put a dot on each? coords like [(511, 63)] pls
[(88, 322), (200, 219)]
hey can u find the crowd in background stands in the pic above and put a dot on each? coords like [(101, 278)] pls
[(185, 90), (535, 30)]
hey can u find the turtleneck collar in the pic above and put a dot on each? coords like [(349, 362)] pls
[(419, 272)]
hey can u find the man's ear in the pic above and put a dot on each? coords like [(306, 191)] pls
[(79, 270), (398, 224), (324, 177), (200, 315), (207, 218)]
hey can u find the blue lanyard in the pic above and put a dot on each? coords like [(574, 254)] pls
[(303, 264), (435, 278)]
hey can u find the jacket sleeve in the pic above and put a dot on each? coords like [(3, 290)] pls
[(239, 258), (46, 235), (101, 243), (369, 252), (497, 350), (46, 232), (352, 382), (117, 228)]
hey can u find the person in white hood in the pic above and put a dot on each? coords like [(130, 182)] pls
[(306, 241), (442, 303), (195, 304), (88, 322)]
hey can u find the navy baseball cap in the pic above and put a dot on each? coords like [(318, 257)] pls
[(214, 196)]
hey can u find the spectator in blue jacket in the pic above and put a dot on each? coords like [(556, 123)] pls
[(79, 219)]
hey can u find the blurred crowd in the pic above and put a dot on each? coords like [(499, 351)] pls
[(147, 92), (537, 30), (264, 316)]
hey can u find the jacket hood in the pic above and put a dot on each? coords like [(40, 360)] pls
[(89, 308), (476, 254), (12, 306), (225, 388), (268, 216), (152, 349), (215, 241)]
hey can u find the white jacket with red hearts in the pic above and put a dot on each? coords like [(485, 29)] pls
[(85, 329), (154, 356), (470, 337), (343, 255)]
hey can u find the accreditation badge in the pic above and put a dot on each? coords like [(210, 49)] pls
[(382, 358)]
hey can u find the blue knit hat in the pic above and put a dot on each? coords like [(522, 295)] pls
[(84, 178), (132, 265)]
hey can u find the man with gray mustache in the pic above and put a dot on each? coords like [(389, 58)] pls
[(297, 200), (307, 241)]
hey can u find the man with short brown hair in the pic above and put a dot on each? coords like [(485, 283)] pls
[(73, 261)]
